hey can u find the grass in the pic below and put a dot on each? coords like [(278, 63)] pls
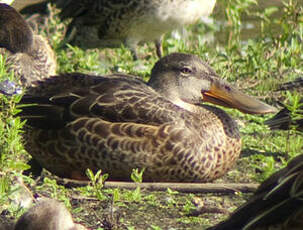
[(257, 65)]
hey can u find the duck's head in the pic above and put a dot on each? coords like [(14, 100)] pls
[(15, 34), (47, 214), (187, 81)]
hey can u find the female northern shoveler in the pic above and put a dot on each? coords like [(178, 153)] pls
[(117, 123)]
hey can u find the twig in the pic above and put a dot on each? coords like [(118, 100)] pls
[(159, 186), (186, 187)]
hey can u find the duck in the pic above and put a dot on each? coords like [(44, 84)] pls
[(284, 119), (47, 214), (276, 204), (28, 56), (118, 123), (110, 23)]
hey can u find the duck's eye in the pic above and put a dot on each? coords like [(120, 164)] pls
[(186, 70)]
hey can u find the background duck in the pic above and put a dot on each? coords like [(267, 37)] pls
[(277, 203), (117, 123), (47, 214), (108, 23), (284, 119), (29, 56)]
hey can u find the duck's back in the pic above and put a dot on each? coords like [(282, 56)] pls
[(115, 98)]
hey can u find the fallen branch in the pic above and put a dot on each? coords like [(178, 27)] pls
[(180, 187), (185, 187)]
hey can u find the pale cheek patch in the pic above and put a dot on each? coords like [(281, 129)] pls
[(195, 86)]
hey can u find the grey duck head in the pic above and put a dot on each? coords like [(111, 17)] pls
[(187, 81), (47, 214), (15, 34)]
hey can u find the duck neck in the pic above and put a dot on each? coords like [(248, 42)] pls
[(185, 105), (37, 62), (43, 56)]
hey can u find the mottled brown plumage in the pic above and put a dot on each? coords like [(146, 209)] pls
[(29, 56), (110, 23), (118, 122), (277, 203)]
